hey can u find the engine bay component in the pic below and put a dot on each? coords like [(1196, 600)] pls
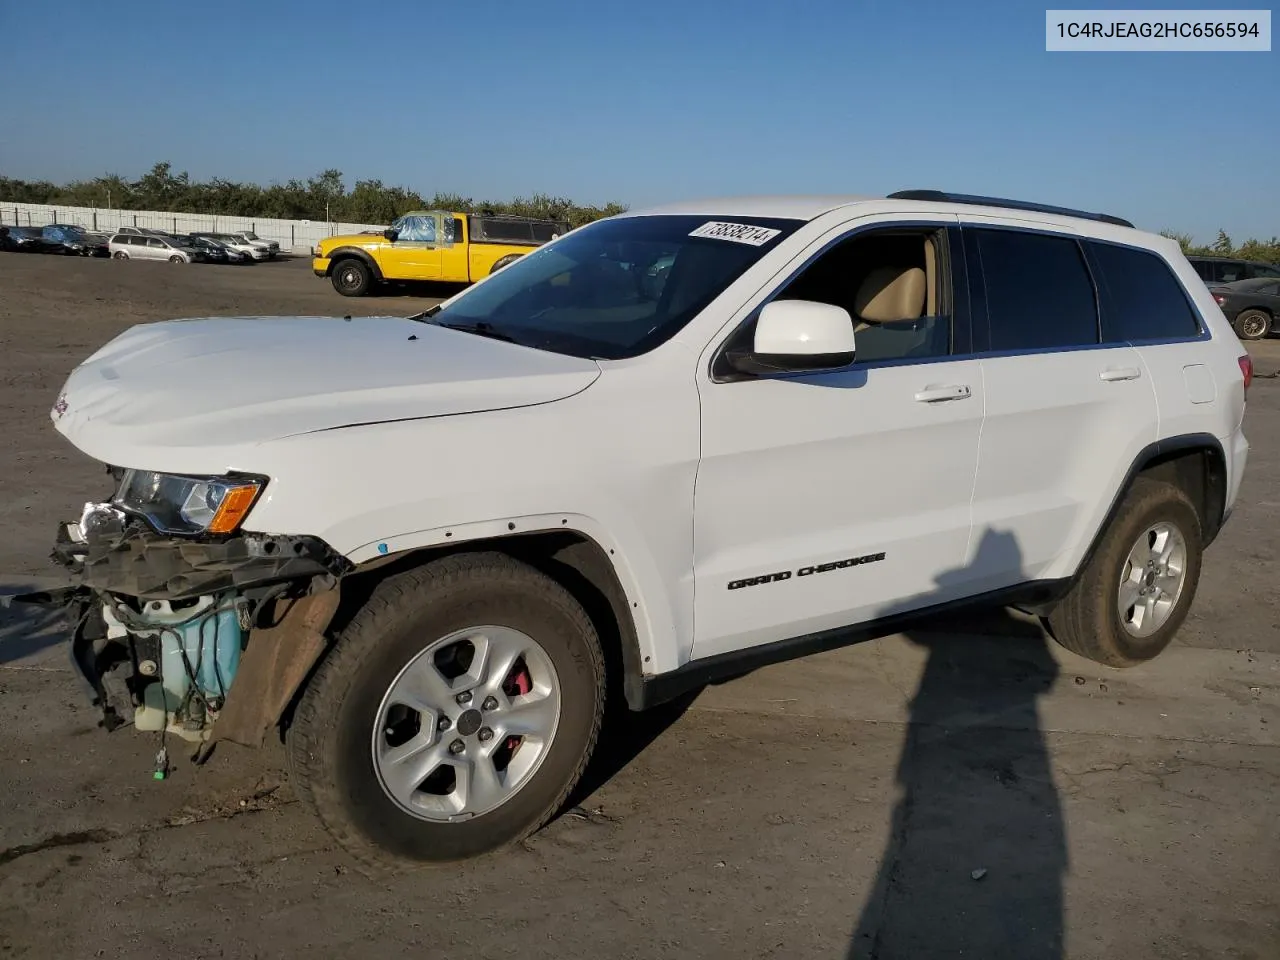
[(199, 649)]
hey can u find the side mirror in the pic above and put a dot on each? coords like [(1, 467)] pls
[(391, 234), (794, 336)]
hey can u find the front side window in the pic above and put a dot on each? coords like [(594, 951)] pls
[(154, 242), (1143, 299), (415, 229), (616, 288), (894, 285), (1038, 292)]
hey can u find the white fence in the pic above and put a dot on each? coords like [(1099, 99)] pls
[(296, 236)]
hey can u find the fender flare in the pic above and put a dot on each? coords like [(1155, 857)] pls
[(343, 253), (642, 618), (1151, 456), (506, 261)]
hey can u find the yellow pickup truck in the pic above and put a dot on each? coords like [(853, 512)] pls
[(430, 245)]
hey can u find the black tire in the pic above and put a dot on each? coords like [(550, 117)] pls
[(505, 262), (1088, 621), (1252, 324), (351, 277), (177, 259), (119, 255), (329, 740)]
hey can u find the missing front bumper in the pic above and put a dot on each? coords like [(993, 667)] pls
[(283, 587)]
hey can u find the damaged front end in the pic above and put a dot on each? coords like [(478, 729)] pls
[(179, 633)]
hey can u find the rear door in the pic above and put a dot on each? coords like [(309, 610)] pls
[(1066, 412), (1145, 304)]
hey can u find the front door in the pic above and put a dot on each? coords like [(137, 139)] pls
[(829, 499), (415, 253)]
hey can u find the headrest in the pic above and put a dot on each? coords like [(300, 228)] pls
[(891, 293)]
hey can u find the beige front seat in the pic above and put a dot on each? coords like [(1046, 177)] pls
[(889, 294)]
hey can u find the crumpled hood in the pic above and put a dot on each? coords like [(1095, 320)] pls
[(181, 395)]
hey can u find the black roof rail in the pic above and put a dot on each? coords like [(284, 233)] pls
[(941, 196)]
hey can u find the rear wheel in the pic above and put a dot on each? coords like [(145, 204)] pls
[(120, 255), (1253, 324), (1135, 592), (351, 277), (453, 716), (505, 262)]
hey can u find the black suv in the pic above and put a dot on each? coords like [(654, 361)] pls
[(1215, 270)]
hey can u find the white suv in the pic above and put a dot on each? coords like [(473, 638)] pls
[(662, 449)]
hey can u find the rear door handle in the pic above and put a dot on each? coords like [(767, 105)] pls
[(1120, 373), (957, 391)]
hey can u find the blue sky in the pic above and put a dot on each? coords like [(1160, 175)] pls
[(644, 102)]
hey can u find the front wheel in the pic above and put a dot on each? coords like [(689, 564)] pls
[(1136, 590), (177, 259), (1253, 324), (351, 277), (454, 714)]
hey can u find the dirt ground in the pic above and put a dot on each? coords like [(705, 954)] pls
[(968, 789)]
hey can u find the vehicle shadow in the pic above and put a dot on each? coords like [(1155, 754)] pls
[(976, 852), (417, 289), (26, 629)]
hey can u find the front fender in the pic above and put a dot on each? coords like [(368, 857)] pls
[(647, 603), (344, 252)]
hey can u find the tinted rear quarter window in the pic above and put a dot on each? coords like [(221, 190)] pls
[(496, 229), (1038, 291), (1142, 298)]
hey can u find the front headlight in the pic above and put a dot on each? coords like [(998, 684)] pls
[(175, 504)]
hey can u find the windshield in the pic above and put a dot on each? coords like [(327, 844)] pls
[(249, 235), (616, 288)]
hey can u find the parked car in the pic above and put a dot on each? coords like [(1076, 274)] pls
[(256, 251), (1251, 305), (30, 240), (1215, 270), (142, 232), (216, 252), (248, 236), (825, 420), (134, 247), (75, 240), (430, 245)]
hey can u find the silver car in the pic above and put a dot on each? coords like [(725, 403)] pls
[(251, 238), (126, 246)]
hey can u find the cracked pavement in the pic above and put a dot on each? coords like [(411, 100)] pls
[(845, 805)]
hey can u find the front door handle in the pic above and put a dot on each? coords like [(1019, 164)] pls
[(958, 391), (1120, 373)]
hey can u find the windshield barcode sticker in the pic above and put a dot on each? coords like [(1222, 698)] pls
[(737, 232)]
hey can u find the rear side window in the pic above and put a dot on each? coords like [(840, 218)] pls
[(1230, 272), (1038, 291), (1142, 298)]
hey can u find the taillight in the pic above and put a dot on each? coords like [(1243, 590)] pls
[(1220, 299), (1246, 370)]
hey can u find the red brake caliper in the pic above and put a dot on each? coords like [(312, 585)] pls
[(518, 684)]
